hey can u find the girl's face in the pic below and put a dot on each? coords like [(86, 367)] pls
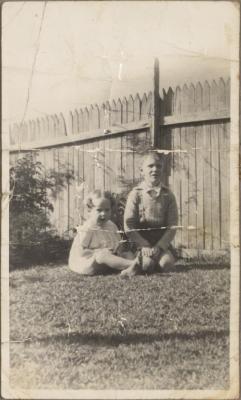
[(101, 210)]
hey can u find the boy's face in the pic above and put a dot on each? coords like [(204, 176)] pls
[(151, 169), (101, 211)]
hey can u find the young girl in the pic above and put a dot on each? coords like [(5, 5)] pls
[(96, 247)]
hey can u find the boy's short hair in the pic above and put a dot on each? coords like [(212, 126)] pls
[(98, 194), (151, 151)]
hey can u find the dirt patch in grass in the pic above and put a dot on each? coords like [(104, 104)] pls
[(166, 331)]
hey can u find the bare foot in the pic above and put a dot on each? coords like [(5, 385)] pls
[(132, 270)]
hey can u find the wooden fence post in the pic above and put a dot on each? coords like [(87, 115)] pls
[(155, 125)]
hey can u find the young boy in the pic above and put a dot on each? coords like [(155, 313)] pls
[(151, 215)]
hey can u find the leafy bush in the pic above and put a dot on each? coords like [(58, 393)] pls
[(32, 239)]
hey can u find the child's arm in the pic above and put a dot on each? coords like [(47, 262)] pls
[(172, 221), (131, 221)]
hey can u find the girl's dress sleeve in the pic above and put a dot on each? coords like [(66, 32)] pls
[(79, 248)]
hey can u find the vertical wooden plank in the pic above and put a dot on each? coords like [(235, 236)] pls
[(127, 160), (185, 99), (137, 108), (86, 119), (199, 98), (51, 127), (75, 121), (38, 137), (113, 113), (99, 164), (227, 94), (199, 170), (56, 202), (224, 135), (223, 163), (42, 128), (49, 166), (62, 125), (108, 170), (124, 111), (63, 195), (66, 220), (91, 110), (221, 94), (177, 101), (176, 166), (215, 168), (119, 113), (214, 96), (177, 187), (81, 121), (76, 187), (71, 189), (47, 133), (143, 107), (168, 101), (207, 189), (149, 105), (108, 116), (102, 116), (96, 117), (70, 123), (184, 185), (206, 96), (130, 106), (89, 165), (207, 180), (113, 164), (57, 125), (139, 145), (82, 185), (155, 121), (192, 188)]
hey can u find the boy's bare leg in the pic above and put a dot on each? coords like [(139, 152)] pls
[(167, 260)]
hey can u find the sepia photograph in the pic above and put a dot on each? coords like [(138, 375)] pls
[(120, 200)]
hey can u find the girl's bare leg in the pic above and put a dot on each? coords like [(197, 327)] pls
[(105, 257)]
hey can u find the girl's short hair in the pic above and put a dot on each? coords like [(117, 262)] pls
[(98, 194)]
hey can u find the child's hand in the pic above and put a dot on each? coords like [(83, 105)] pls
[(156, 252), (146, 252)]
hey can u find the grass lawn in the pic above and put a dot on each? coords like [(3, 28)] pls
[(71, 332)]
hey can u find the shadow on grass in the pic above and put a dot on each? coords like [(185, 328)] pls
[(195, 265), (98, 339)]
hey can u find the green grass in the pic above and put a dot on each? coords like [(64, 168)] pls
[(175, 336)]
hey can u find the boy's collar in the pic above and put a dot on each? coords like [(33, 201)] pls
[(148, 188)]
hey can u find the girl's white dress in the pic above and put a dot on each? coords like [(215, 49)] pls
[(90, 239)]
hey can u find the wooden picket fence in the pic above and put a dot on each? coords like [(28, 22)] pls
[(109, 114), (102, 146)]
